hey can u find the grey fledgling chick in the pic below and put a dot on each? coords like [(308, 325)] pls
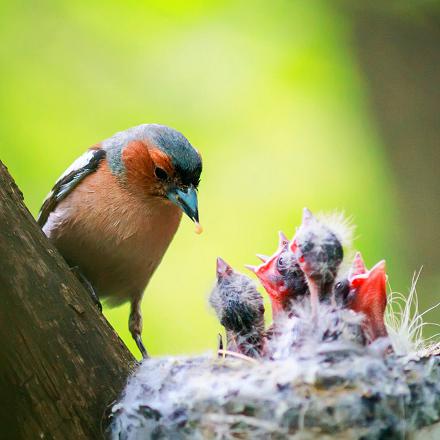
[(240, 309), (319, 253)]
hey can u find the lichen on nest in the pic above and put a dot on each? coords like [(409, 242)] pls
[(332, 367)]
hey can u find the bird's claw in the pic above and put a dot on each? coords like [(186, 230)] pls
[(141, 346), (86, 283)]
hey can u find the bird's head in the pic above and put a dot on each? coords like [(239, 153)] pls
[(368, 295), (347, 285), (318, 251), (235, 299), (280, 274), (156, 161)]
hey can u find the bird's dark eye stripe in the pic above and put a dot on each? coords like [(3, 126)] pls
[(160, 173)]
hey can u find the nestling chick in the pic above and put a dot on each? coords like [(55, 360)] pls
[(239, 308), (282, 278), (319, 254), (114, 212), (368, 296)]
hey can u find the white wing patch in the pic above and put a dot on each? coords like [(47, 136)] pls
[(86, 164), (79, 163)]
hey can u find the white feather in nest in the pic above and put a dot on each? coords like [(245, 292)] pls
[(405, 323), (316, 378)]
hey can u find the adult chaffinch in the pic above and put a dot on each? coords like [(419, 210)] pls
[(114, 212)]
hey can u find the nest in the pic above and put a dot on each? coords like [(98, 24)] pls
[(329, 384)]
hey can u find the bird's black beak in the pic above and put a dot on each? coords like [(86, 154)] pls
[(186, 200)]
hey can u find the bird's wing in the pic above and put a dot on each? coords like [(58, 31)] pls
[(82, 167)]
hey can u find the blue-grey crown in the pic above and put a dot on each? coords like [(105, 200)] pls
[(184, 157)]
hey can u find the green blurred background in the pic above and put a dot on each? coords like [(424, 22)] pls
[(291, 103)]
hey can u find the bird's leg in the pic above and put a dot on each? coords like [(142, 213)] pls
[(135, 325), (86, 283)]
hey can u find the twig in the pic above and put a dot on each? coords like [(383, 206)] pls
[(237, 355)]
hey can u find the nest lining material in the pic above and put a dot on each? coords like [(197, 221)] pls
[(327, 384)]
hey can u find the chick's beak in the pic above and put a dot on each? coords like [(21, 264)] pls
[(186, 200)]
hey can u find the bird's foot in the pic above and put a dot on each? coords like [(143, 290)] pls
[(86, 283), (141, 346)]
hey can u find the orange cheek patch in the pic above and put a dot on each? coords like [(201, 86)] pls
[(140, 160), (138, 164)]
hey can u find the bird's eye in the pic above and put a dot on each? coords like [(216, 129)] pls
[(281, 265), (160, 173), (280, 262)]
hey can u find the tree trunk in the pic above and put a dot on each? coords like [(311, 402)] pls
[(61, 363)]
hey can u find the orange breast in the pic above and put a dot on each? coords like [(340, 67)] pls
[(116, 237)]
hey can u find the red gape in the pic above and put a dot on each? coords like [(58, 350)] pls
[(368, 296), (272, 280)]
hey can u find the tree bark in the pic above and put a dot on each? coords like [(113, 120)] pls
[(61, 363)]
